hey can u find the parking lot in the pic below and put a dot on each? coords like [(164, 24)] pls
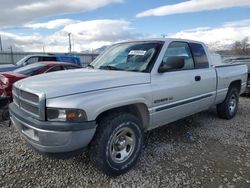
[(198, 151)]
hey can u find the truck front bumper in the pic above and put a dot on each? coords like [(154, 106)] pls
[(52, 137)]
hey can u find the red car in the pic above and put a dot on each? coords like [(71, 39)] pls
[(7, 79)]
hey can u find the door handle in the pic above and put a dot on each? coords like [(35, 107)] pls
[(197, 78)]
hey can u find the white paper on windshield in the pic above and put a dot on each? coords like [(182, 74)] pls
[(137, 52)]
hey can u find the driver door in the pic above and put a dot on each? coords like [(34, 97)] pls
[(178, 93)]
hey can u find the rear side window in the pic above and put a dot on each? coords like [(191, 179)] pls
[(199, 54), (47, 58)]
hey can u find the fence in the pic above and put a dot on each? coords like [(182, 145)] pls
[(13, 57)]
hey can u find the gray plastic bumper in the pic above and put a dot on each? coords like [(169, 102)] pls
[(55, 138)]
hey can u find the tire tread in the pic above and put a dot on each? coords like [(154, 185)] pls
[(103, 130)]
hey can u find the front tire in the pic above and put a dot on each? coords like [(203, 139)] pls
[(229, 107), (4, 113), (117, 143)]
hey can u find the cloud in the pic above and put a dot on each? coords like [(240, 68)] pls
[(53, 24), (193, 6), (92, 34), (23, 11), (19, 42), (241, 23), (86, 35), (220, 37), (101, 30)]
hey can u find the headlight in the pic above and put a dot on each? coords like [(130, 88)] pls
[(70, 115), (4, 81)]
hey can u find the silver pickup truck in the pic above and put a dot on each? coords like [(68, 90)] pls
[(131, 88)]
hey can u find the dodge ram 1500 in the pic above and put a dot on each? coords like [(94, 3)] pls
[(131, 88)]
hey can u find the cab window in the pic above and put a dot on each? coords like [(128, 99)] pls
[(179, 50), (47, 58), (199, 54)]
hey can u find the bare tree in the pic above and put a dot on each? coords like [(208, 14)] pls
[(241, 47), (245, 46)]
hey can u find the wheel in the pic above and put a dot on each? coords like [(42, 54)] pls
[(1, 115), (4, 113), (228, 108), (117, 143)]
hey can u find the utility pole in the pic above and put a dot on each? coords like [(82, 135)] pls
[(1, 45), (69, 42), (164, 35), (12, 55)]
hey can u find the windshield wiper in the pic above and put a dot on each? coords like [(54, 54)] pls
[(109, 67)]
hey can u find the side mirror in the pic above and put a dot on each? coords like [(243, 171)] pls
[(173, 63)]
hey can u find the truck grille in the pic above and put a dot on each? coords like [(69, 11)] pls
[(31, 103)]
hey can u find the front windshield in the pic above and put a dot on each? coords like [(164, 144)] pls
[(134, 56), (30, 69), (20, 62)]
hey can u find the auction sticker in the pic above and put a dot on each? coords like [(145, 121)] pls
[(137, 52)]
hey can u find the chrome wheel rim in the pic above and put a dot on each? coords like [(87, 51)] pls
[(122, 145), (232, 104)]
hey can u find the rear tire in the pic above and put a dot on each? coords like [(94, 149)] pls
[(117, 143), (229, 107)]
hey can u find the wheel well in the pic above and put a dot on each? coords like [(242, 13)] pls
[(140, 110), (236, 84)]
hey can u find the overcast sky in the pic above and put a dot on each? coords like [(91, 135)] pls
[(31, 25)]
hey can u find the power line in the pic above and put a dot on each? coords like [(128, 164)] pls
[(12, 55), (164, 35)]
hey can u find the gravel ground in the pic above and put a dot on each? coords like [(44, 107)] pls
[(199, 151)]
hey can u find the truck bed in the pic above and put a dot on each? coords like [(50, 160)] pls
[(226, 74)]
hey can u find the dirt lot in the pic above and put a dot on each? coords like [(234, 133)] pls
[(199, 151)]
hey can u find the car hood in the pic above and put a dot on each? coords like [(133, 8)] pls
[(13, 77), (76, 81), (12, 74)]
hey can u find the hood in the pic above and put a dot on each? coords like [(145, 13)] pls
[(6, 68), (81, 80), (11, 78), (12, 75)]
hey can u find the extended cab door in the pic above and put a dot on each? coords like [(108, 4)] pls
[(185, 90)]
